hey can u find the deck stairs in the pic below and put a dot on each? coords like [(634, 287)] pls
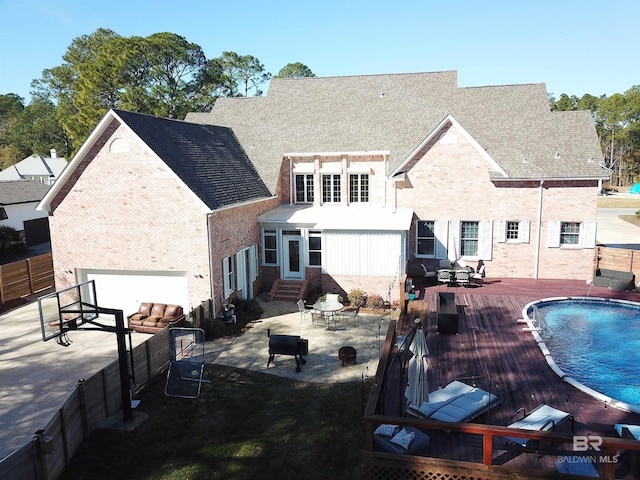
[(288, 290)]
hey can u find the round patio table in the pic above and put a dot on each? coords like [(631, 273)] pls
[(328, 309)]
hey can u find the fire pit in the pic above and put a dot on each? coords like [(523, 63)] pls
[(347, 354)]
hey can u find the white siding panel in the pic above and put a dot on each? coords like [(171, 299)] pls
[(357, 253)]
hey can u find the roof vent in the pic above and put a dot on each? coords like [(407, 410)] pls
[(381, 94), (557, 155)]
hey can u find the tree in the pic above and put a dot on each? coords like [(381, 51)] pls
[(162, 74), (295, 70), (242, 73)]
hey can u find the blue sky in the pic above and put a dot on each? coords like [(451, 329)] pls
[(574, 46)]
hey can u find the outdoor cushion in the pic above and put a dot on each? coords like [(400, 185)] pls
[(403, 438), (386, 430)]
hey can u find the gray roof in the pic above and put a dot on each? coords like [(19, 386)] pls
[(397, 112), (14, 192), (33, 166), (208, 159)]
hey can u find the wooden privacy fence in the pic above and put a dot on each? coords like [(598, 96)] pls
[(51, 449), (25, 277), (620, 259)]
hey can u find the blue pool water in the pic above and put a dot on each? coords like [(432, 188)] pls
[(597, 343)]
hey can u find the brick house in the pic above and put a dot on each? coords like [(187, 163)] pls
[(338, 183), (376, 172), (157, 210)]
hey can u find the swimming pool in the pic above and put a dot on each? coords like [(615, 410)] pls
[(592, 343)]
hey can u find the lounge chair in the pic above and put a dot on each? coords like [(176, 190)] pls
[(625, 430), (542, 418), (457, 402)]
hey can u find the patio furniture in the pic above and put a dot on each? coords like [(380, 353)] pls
[(302, 308), (625, 430), (445, 275), (457, 402), (477, 278), (462, 277), (447, 312), (350, 312), (329, 307), (153, 317), (318, 319), (542, 418), (584, 467), (400, 440)]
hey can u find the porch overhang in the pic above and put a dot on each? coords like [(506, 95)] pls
[(370, 218)]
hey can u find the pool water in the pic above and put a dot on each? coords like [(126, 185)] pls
[(597, 343)]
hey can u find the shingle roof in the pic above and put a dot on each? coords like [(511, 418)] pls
[(208, 159), (397, 112), (35, 165), (21, 191)]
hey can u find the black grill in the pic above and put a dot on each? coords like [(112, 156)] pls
[(288, 345)]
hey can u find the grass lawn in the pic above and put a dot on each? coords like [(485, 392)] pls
[(244, 425)]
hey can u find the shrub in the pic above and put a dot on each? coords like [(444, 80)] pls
[(375, 301), (638, 213), (357, 297)]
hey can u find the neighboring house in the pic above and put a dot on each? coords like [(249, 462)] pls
[(39, 169), (18, 201), (338, 182)]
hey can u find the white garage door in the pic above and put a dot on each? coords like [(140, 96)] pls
[(126, 290)]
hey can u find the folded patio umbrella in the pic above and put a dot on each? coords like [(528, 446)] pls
[(417, 390)]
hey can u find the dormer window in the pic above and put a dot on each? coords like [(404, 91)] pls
[(331, 188), (304, 188)]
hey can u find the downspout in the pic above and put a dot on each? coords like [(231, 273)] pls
[(210, 242), (386, 177), (539, 236), (291, 181)]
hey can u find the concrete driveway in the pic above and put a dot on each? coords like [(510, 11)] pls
[(615, 232)]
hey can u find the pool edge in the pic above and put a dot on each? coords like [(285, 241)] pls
[(531, 328)]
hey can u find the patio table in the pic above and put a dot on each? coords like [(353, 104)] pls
[(328, 309)]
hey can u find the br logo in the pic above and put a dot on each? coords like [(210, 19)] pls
[(582, 443)]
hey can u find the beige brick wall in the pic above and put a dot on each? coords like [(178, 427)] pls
[(451, 181), (129, 211)]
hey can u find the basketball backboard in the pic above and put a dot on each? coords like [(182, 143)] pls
[(67, 309)]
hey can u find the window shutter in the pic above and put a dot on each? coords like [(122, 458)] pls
[(502, 231), (553, 238), (225, 276), (485, 239), (441, 231), (588, 234), (523, 231), (453, 243)]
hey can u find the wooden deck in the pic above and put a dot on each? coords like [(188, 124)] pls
[(492, 352)]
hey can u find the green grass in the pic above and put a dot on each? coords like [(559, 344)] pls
[(244, 425)]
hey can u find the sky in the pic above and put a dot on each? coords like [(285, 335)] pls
[(573, 46)]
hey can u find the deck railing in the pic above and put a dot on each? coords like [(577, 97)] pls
[(482, 442)]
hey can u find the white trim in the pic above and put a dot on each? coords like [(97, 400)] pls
[(449, 120), (357, 153)]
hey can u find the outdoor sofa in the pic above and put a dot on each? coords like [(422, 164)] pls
[(614, 279), (153, 317)]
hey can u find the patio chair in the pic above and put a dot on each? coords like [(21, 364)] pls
[(304, 312), (477, 278), (318, 319), (444, 276), (542, 418), (462, 277), (332, 298), (350, 312)]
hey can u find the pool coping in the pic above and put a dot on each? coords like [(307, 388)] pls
[(534, 330)]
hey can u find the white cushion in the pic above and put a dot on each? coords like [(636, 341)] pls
[(386, 430), (403, 438)]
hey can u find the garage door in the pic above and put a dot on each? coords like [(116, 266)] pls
[(126, 290)]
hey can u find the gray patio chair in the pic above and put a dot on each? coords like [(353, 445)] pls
[(318, 319), (303, 310), (462, 277), (350, 312), (444, 276)]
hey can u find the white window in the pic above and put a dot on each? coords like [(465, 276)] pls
[(425, 238), (514, 231), (358, 187), (304, 188), (269, 247), (469, 239), (331, 188), (228, 272), (571, 234), (315, 248)]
